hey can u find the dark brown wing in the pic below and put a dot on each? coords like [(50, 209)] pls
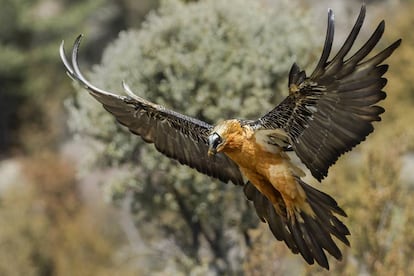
[(177, 136), (330, 112)]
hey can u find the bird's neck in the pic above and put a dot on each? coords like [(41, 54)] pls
[(237, 137)]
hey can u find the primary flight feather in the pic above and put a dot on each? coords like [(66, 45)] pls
[(325, 115)]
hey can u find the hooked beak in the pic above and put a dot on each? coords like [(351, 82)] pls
[(211, 151)]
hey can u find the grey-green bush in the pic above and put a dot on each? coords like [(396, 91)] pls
[(212, 60)]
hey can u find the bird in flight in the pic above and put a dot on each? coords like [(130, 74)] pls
[(325, 115)]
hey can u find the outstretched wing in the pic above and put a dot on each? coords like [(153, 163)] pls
[(330, 112), (177, 136)]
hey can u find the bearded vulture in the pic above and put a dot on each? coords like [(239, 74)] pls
[(325, 115)]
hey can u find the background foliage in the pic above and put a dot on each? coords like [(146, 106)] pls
[(208, 59)]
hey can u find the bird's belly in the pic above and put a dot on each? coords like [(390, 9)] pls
[(254, 157), (269, 171)]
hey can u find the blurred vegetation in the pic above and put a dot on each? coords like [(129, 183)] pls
[(171, 220), (47, 227), (31, 100), (47, 230)]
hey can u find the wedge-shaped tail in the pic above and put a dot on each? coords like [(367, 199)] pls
[(311, 235)]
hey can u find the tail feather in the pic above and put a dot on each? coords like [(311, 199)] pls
[(303, 242), (279, 228), (318, 197), (310, 235), (323, 237), (315, 246)]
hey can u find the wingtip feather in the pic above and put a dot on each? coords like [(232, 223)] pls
[(327, 45)]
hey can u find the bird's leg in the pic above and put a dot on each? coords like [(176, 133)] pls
[(284, 181)]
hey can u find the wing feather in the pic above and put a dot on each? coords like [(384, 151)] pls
[(319, 70), (330, 112), (178, 136)]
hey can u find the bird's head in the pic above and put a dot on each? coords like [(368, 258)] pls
[(223, 136)]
